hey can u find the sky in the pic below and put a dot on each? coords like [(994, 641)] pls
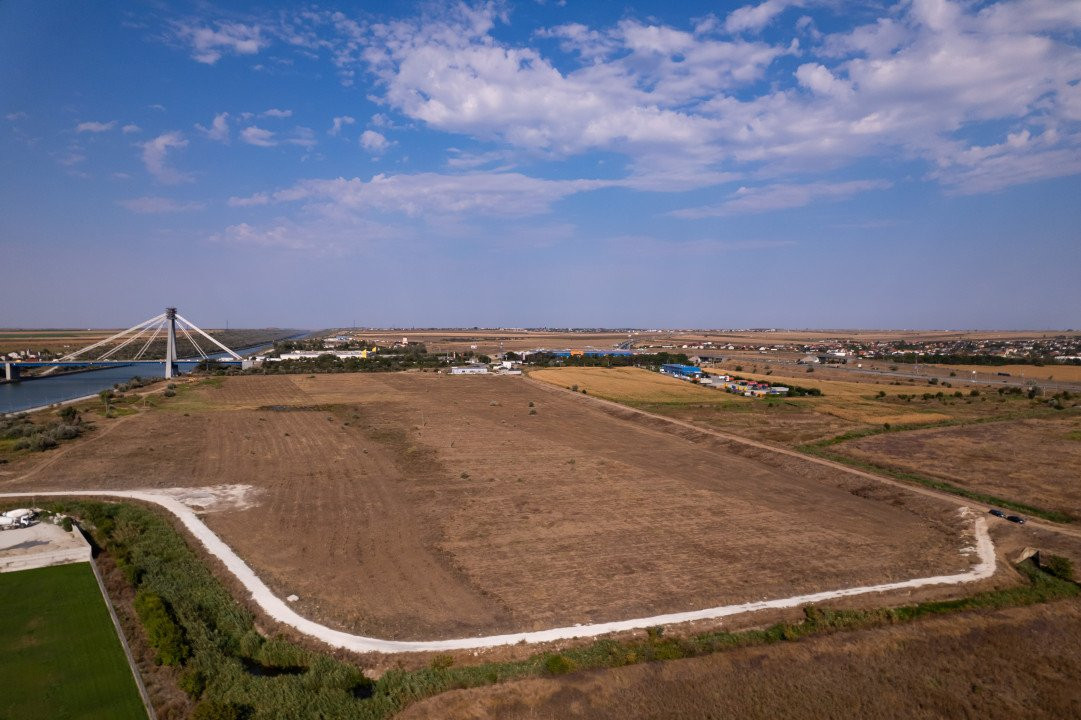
[(785, 163)]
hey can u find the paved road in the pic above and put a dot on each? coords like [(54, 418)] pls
[(279, 610)]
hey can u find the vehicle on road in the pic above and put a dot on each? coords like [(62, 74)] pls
[(1016, 519), (997, 513)]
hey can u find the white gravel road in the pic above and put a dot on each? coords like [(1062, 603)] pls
[(279, 610)]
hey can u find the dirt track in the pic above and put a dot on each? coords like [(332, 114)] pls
[(420, 506)]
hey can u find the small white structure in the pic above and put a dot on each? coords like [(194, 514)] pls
[(469, 370)]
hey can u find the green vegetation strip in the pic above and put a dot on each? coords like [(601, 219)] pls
[(61, 657), (233, 671)]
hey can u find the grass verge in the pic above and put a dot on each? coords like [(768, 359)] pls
[(227, 663)]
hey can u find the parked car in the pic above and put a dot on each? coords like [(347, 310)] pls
[(1016, 519), (997, 513)]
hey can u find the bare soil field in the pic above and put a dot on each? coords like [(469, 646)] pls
[(1020, 662), (1031, 461), (416, 505)]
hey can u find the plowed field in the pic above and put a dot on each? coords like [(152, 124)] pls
[(418, 506)]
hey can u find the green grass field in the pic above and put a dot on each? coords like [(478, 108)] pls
[(60, 655)]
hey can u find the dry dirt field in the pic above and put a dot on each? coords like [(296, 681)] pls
[(1016, 663), (417, 505), (1030, 461), (1065, 373)]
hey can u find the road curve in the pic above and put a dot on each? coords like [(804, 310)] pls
[(280, 611)]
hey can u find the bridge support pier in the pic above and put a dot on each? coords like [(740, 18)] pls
[(11, 373)]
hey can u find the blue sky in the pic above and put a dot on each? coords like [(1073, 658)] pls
[(786, 163)]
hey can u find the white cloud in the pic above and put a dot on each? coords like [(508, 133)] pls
[(16, 116), (754, 18), (251, 201), (692, 105), (130, 128), (373, 142), (209, 44), (303, 136), (151, 205), (72, 158), (781, 196), (427, 194), (339, 123), (258, 136), (276, 113), (155, 154), (219, 128), (95, 127)]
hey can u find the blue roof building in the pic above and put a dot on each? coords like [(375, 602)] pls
[(681, 371)]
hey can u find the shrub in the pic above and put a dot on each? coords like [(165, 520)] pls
[(169, 393), (215, 710), (442, 662), (162, 632), (558, 665), (66, 524), (1059, 566), (974, 393), (193, 682), (574, 388)]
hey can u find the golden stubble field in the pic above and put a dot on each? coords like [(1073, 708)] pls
[(417, 505)]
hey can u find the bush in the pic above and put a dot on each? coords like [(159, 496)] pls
[(169, 393), (442, 662), (557, 665), (193, 682), (66, 524), (215, 710), (1058, 566), (162, 632)]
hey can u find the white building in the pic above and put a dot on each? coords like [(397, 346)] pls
[(469, 370)]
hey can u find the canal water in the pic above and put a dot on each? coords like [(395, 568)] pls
[(19, 396)]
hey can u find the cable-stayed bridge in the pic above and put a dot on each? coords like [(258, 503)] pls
[(104, 353)]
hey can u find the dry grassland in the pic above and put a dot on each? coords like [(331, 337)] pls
[(1030, 461), (1061, 373), (1021, 662), (417, 505), (844, 406), (629, 385)]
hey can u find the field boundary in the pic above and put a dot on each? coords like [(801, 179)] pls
[(281, 612), (143, 694)]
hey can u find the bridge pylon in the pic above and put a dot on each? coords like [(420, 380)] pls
[(148, 331)]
